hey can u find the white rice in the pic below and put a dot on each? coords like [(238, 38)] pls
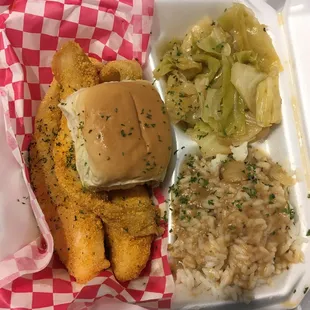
[(232, 236)]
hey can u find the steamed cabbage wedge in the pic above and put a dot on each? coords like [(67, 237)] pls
[(222, 81)]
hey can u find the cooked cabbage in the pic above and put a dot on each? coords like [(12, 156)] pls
[(212, 105), (246, 57), (222, 81), (181, 98), (208, 142), (250, 35), (199, 31), (268, 102), (212, 65), (246, 79), (174, 59), (236, 123), (228, 90), (215, 44)]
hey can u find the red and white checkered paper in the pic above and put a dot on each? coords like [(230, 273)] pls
[(30, 33)]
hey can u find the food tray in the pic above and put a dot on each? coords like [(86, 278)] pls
[(287, 143)]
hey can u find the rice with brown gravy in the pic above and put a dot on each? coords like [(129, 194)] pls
[(233, 224)]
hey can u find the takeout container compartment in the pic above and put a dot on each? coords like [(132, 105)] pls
[(287, 143)]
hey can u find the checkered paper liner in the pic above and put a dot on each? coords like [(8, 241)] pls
[(30, 33)]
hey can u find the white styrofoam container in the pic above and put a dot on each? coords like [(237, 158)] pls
[(288, 143)]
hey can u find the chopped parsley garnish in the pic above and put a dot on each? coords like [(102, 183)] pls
[(251, 172), (289, 211), (211, 202), (271, 198), (184, 200), (308, 233), (70, 158), (238, 204), (175, 190), (193, 179), (190, 161), (250, 191), (81, 125), (123, 133)]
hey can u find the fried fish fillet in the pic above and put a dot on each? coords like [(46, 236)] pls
[(124, 249), (73, 69), (129, 217), (119, 70), (73, 213), (78, 237)]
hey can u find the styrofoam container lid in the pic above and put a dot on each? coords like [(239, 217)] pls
[(289, 144)]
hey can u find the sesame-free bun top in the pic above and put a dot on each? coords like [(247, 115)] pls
[(121, 133)]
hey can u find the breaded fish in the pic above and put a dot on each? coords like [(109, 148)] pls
[(75, 215), (73, 69), (119, 70), (78, 236), (124, 249)]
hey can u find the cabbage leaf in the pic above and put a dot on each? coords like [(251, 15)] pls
[(212, 64), (246, 57), (268, 102), (246, 79), (216, 43), (249, 34), (196, 33), (208, 142)]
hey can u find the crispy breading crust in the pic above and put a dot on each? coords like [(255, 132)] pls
[(78, 238), (121, 70), (73, 69), (72, 213), (129, 255)]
